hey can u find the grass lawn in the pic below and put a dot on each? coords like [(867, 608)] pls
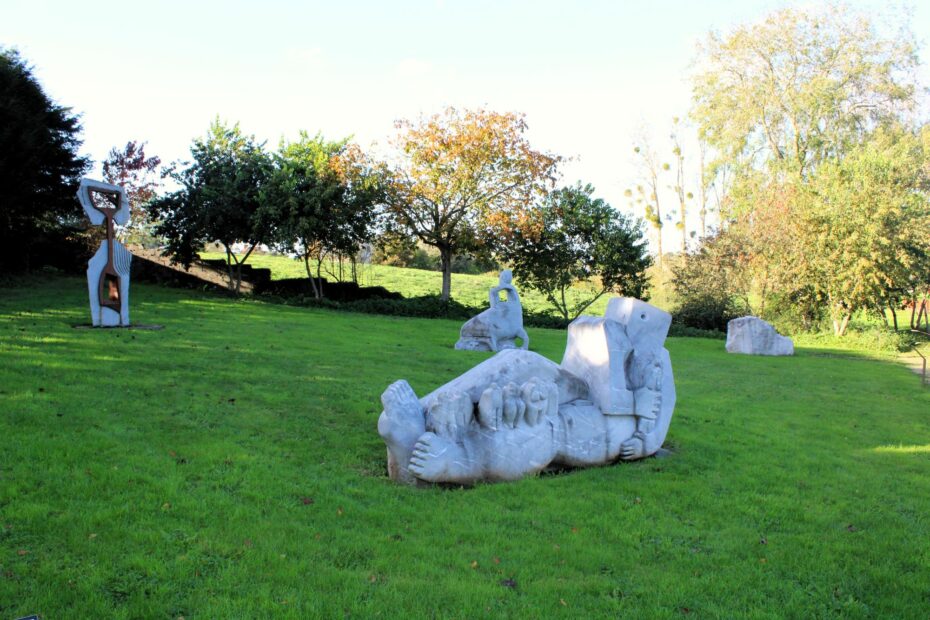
[(228, 466), (471, 290)]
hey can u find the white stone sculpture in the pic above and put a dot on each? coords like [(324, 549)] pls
[(753, 336), (108, 269), (496, 328), (518, 413)]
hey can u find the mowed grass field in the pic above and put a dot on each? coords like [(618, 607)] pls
[(228, 466), (471, 290)]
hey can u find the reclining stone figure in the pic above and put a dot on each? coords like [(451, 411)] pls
[(497, 327), (518, 413)]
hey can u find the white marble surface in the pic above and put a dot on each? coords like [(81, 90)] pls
[(120, 217), (751, 335), (102, 316), (517, 413), (498, 327)]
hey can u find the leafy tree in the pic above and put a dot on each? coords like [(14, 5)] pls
[(806, 114), (456, 170), (40, 168), (323, 199), (800, 87), (220, 199), (866, 224), (573, 240), (136, 173), (711, 286)]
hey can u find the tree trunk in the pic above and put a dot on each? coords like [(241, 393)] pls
[(231, 271), (319, 273), (894, 316), (445, 261), (839, 327), (659, 229), (316, 293), (880, 311)]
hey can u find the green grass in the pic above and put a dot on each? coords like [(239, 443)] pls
[(228, 466), (471, 290)]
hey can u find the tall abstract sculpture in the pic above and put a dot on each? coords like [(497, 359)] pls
[(108, 270)]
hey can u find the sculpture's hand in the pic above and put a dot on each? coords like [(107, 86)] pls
[(632, 449)]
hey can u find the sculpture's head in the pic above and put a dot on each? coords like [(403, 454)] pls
[(120, 210), (646, 326), (506, 277)]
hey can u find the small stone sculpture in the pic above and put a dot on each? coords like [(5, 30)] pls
[(108, 269), (753, 336), (497, 327), (517, 413)]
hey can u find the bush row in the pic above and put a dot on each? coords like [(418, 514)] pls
[(434, 307)]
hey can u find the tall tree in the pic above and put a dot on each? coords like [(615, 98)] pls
[(136, 174), (456, 168), (800, 87), (220, 199), (40, 168), (866, 224), (806, 113), (679, 188), (647, 189), (576, 241), (323, 197)]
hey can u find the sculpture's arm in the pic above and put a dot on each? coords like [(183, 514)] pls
[(653, 410), (492, 295)]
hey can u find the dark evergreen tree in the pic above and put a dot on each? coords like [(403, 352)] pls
[(40, 168)]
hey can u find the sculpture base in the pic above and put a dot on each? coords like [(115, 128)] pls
[(483, 344)]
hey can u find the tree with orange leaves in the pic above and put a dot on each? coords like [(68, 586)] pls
[(455, 170)]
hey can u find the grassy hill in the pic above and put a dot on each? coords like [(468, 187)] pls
[(228, 466), (471, 290)]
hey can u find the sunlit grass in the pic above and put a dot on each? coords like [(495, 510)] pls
[(903, 449), (228, 466), (471, 290)]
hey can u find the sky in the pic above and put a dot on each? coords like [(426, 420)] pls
[(589, 75)]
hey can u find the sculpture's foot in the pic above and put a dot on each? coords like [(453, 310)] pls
[(400, 424), (437, 459)]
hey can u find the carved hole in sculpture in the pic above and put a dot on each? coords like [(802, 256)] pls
[(109, 289), (103, 201), (643, 316)]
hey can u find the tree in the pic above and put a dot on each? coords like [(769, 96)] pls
[(135, 173), (679, 187), (323, 198), (866, 223), (220, 199), (807, 113), (711, 286), (40, 168), (800, 87), (647, 190), (456, 169), (575, 239)]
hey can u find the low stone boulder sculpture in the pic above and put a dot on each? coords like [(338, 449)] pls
[(753, 336), (498, 327), (518, 413), (108, 269)]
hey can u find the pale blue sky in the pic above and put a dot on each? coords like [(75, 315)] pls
[(586, 73)]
